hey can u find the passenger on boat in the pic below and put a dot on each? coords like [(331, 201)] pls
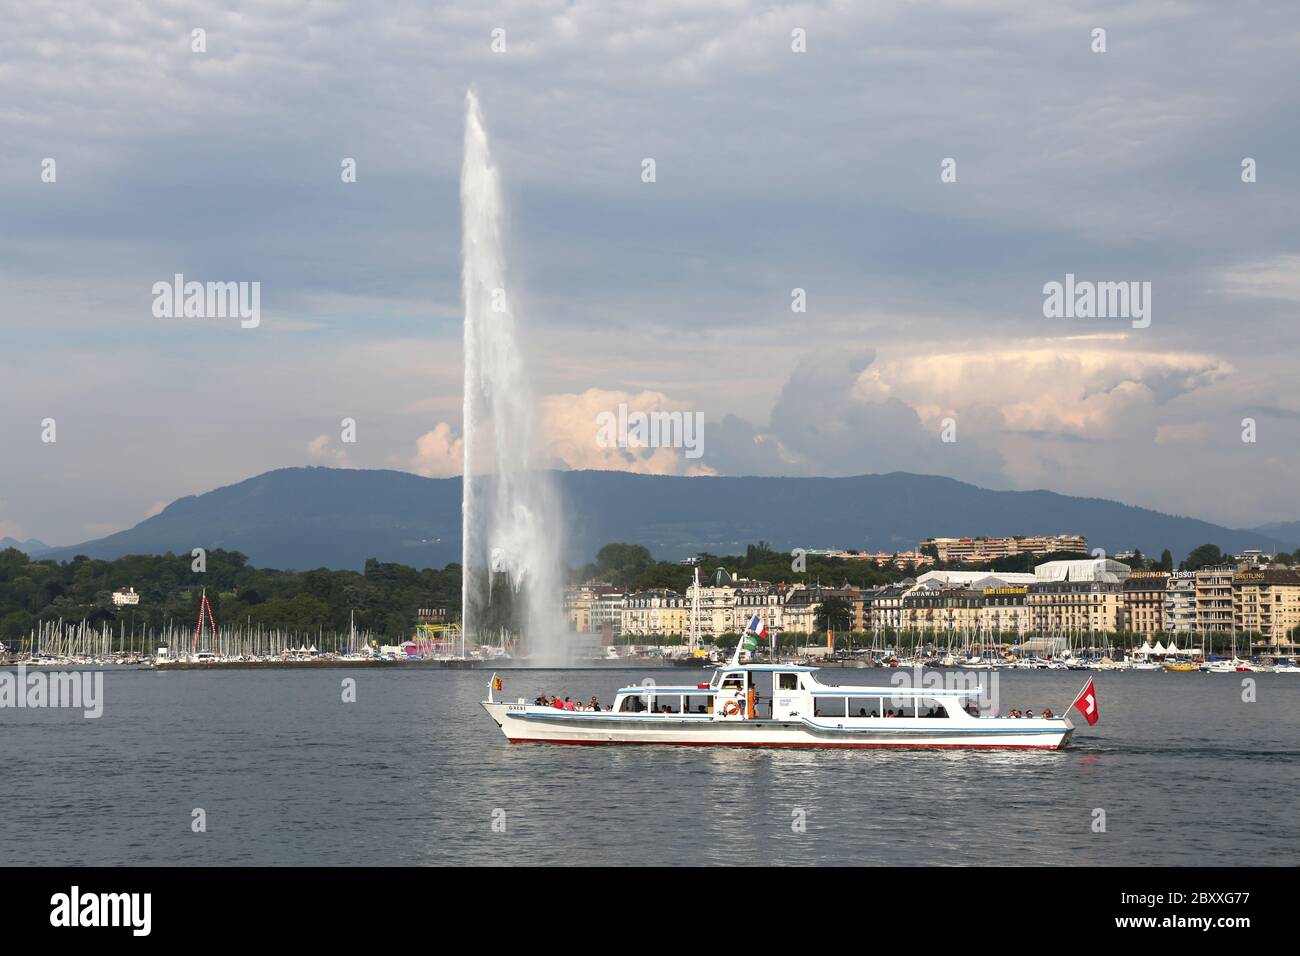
[(1047, 712), (568, 704), (557, 703), (595, 704), (1029, 714), (862, 712), (542, 700), (889, 713)]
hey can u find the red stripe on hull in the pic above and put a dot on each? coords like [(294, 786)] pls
[(845, 746)]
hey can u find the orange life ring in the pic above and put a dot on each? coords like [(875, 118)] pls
[(731, 708)]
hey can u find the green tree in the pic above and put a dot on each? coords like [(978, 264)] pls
[(1203, 556), (833, 613), (623, 564)]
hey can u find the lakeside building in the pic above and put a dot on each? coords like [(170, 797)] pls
[(607, 616), (658, 613), (1065, 606), (717, 603), (1267, 602), (1180, 602), (802, 601), (1005, 610), (976, 579), (1100, 570), (126, 597), (1214, 599), (1143, 609), (940, 610), (580, 600), (1093, 596), (967, 550), (765, 600), (881, 609)]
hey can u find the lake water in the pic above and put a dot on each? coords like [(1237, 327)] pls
[(414, 772)]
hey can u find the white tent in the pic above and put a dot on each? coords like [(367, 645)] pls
[(1172, 648), (1158, 649)]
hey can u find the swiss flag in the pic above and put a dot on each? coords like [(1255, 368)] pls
[(1087, 703)]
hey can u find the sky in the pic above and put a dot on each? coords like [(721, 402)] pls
[(775, 168)]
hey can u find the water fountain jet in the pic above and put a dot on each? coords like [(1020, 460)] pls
[(510, 517)]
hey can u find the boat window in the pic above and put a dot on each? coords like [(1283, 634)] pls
[(933, 707), (735, 681), (787, 681)]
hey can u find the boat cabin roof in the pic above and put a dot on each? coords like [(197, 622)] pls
[(787, 668)]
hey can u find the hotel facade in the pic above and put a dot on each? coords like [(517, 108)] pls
[(1061, 598)]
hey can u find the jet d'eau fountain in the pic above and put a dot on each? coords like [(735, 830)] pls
[(511, 544)]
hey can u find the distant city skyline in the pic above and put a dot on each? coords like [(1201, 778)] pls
[(781, 178)]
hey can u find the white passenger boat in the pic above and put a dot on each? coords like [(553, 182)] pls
[(796, 710)]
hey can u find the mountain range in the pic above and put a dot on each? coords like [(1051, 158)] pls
[(301, 518), (31, 546)]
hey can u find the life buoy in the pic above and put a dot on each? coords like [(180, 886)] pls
[(731, 708)]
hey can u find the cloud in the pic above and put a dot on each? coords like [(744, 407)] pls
[(323, 449), (820, 425), (1276, 278), (439, 453), (570, 425), (775, 170), (1070, 386), (1176, 434)]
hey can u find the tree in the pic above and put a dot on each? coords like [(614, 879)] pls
[(1166, 560), (1203, 556), (833, 614), (623, 564)]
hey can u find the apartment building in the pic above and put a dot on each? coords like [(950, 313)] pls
[(967, 550), (1180, 602), (1214, 598), (1005, 610), (579, 600), (1143, 610), (881, 609), (607, 615), (939, 610), (765, 600), (1074, 607), (655, 615), (1267, 603)]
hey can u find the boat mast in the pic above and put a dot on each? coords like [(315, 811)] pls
[(695, 612)]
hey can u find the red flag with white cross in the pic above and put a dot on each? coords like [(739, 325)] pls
[(1086, 702)]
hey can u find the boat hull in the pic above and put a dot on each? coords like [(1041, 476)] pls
[(531, 724)]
